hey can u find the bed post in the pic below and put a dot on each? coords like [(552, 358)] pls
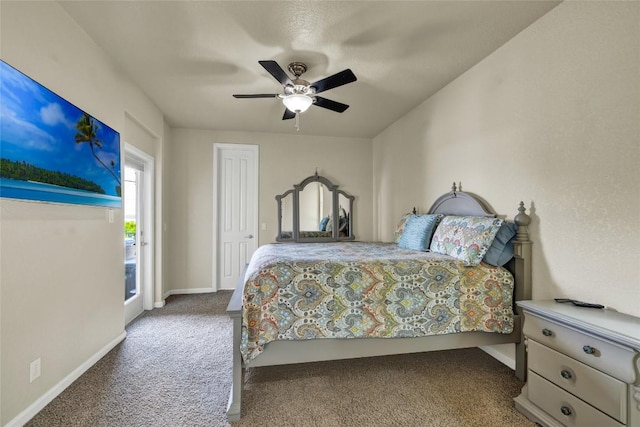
[(234, 310), (522, 272)]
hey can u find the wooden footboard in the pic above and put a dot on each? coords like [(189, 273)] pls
[(289, 352)]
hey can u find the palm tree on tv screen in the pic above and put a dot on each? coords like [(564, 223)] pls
[(87, 132)]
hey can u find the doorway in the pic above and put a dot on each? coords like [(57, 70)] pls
[(138, 232), (235, 211)]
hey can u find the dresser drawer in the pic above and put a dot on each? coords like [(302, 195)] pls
[(564, 406), (605, 356), (594, 387)]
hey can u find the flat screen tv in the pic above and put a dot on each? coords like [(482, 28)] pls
[(52, 151)]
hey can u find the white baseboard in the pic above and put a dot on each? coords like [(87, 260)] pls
[(32, 410), (501, 357)]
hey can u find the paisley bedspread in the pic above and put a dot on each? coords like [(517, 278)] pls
[(297, 291)]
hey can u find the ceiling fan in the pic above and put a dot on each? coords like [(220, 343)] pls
[(298, 94)]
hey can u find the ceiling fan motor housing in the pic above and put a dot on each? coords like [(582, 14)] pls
[(300, 87)]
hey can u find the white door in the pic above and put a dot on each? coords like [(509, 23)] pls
[(236, 213), (138, 209)]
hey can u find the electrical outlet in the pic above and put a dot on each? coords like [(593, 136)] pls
[(35, 369)]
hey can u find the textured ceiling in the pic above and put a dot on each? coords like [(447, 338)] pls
[(189, 57)]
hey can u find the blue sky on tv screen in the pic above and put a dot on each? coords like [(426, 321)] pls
[(39, 127)]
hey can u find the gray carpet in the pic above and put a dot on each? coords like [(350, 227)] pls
[(174, 369)]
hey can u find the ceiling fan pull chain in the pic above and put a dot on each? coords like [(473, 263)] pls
[(297, 122)]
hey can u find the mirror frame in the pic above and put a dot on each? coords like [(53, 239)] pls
[(335, 209)]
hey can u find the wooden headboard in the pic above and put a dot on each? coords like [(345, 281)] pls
[(459, 203)]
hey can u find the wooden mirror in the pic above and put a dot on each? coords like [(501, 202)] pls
[(315, 211)]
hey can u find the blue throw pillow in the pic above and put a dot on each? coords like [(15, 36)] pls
[(501, 250), (323, 224), (417, 232)]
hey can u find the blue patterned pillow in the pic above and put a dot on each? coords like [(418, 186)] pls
[(501, 250), (466, 238), (401, 225), (417, 232)]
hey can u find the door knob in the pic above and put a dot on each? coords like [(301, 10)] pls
[(250, 236)]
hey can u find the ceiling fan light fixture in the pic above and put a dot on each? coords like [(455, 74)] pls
[(297, 103)]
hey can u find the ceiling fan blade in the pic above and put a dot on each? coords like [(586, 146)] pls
[(257, 95), (277, 72), (338, 107), (338, 79), (288, 114)]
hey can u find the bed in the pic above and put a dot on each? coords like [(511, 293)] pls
[(299, 303)]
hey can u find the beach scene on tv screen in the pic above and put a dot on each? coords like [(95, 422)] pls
[(52, 151)]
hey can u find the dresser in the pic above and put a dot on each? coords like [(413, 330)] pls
[(583, 366)]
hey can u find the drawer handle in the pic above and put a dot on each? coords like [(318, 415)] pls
[(589, 350), (566, 410), (566, 374), (547, 332)]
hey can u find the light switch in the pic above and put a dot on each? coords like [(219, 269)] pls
[(264, 226)]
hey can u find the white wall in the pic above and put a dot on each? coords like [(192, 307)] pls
[(551, 118), (61, 265), (345, 161)]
